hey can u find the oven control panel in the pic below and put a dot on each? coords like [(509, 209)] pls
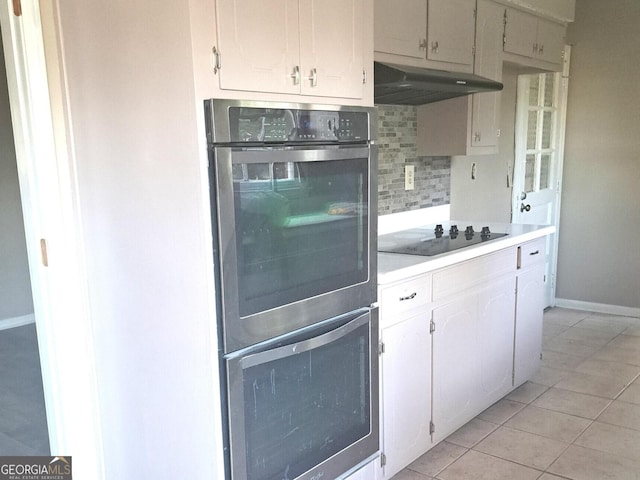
[(267, 125)]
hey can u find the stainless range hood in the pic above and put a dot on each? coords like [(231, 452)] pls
[(401, 85)]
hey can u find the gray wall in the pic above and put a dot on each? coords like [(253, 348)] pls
[(397, 140), (599, 253), (488, 197), (15, 284)]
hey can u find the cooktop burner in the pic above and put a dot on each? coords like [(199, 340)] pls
[(428, 243)]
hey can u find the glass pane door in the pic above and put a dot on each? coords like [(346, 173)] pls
[(541, 127)]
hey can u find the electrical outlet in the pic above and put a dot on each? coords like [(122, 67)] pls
[(409, 177)]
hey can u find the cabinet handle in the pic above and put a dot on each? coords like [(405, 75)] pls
[(535, 48), (296, 75), (540, 49), (215, 55), (313, 77), (409, 297), (535, 253), (477, 137), (423, 44), (434, 47)]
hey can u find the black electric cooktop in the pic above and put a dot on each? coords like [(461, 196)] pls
[(427, 242)]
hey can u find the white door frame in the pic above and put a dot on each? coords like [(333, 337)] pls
[(52, 228), (519, 166)]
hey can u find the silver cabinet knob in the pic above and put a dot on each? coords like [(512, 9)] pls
[(313, 77), (296, 75)]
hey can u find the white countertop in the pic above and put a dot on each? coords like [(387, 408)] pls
[(393, 267)]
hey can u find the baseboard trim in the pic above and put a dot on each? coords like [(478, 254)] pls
[(13, 322), (598, 307)]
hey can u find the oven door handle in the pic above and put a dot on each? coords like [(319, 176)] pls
[(307, 344), (281, 154)]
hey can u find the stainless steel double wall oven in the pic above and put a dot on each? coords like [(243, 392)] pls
[(293, 197)]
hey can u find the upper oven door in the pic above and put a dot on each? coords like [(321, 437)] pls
[(296, 236)]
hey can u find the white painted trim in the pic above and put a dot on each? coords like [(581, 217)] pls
[(20, 321), (598, 307), (47, 187), (395, 222)]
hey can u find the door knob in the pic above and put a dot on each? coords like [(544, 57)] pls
[(525, 208)]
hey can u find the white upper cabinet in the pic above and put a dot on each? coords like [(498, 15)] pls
[(533, 41), (563, 11), (450, 31), (331, 48), (485, 107), (259, 45), (400, 28), (551, 39), (425, 33), (469, 125), (296, 47)]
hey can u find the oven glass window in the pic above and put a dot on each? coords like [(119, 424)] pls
[(302, 409), (301, 230)]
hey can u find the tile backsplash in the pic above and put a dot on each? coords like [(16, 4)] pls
[(397, 131)]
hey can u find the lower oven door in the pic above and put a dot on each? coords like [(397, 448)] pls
[(306, 407)]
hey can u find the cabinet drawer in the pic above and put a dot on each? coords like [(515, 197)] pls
[(403, 297), (478, 271), (532, 253)]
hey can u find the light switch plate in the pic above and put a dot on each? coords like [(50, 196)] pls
[(409, 177)]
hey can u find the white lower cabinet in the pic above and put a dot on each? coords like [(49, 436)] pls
[(529, 311), (406, 392), (454, 342), (368, 472), (472, 353)]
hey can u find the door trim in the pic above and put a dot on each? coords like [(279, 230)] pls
[(46, 176), (519, 165)]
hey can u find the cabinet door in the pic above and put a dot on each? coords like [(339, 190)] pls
[(485, 109), (406, 392), (400, 28), (489, 36), (451, 31), (550, 40), (496, 316), (456, 371), (332, 48), (520, 32), (529, 312), (259, 46)]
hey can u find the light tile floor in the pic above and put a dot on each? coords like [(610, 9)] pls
[(578, 418)]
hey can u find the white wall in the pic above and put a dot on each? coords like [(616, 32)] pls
[(488, 197), (599, 253), (134, 122), (15, 284)]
